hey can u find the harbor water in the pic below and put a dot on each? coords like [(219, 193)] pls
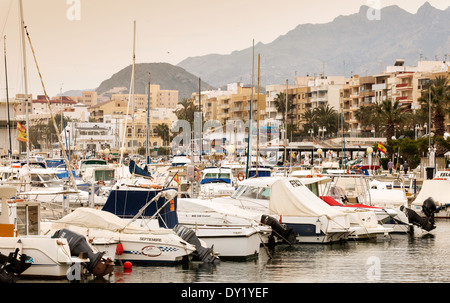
[(398, 258)]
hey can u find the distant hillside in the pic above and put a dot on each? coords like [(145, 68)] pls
[(348, 45), (168, 76)]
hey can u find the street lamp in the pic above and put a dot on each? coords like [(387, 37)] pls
[(416, 129), (323, 130), (369, 155), (319, 153)]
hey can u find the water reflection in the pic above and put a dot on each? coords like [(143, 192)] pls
[(422, 257)]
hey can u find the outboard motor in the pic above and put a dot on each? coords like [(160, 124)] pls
[(12, 267), (280, 231), (203, 253), (427, 222), (78, 245)]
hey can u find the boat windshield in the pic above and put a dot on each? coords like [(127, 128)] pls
[(45, 180), (217, 176), (252, 192)]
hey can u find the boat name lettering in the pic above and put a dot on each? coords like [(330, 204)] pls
[(442, 174), (295, 183), (150, 239)]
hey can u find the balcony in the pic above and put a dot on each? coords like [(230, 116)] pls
[(403, 86)]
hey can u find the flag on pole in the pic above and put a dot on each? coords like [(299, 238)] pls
[(382, 148), (22, 135), (176, 179)]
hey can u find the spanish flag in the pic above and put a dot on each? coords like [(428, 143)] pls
[(176, 179), (382, 148), (22, 135)]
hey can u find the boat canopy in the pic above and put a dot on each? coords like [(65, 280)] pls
[(290, 197), (93, 218), (439, 190)]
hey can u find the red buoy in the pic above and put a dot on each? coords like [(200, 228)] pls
[(127, 265)]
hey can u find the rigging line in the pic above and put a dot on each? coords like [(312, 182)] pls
[(71, 178), (7, 16)]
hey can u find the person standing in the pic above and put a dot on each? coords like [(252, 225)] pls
[(405, 167), (390, 166)]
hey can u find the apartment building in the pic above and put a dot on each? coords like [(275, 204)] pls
[(99, 111), (157, 116), (158, 98), (57, 104), (89, 98), (398, 82)]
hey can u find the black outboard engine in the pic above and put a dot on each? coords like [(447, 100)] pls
[(286, 234), (78, 245), (202, 253), (429, 209), (12, 267)]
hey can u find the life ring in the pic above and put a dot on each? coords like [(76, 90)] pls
[(308, 176), (240, 176), (319, 175), (101, 182)]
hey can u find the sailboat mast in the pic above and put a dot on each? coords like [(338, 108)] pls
[(250, 114), (25, 79), (7, 103), (147, 156), (257, 123), (132, 90)]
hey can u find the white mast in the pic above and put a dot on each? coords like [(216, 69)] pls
[(25, 79), (132, 90)]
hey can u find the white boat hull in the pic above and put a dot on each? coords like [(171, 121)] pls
[(318, 229), (49, 257), (232, 242)]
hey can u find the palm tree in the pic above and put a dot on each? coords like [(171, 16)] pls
[(390, 115), (308, 120), (438, 94), (368, 117), (327, 117), (187, 111), (162, 130), (280, 105)]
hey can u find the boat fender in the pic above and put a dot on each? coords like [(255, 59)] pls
[(119, 249)]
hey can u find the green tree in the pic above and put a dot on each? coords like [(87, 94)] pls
[(326, 116), (162, 130), (280, 105), (438, 96), (308, 119), (390, 114), (187, 111)]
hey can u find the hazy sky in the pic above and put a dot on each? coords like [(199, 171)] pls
[(78, 46)]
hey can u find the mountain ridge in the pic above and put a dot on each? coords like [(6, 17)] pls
[(168, 76), (351, 44)]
